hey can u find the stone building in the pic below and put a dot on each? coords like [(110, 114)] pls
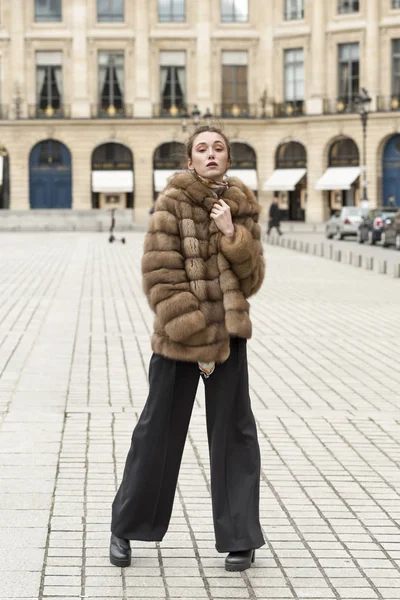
[(98, 96)]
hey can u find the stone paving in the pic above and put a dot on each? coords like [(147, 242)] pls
[(325, 386)]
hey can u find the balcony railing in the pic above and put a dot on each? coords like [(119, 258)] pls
[(100, 111), (238, 111), (36, 112), (293, 108), (4, 112), (295, 14), (388, 103), (174, 112), (339, 106)]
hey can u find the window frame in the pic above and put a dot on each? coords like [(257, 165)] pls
[(110, 17), (341, 7), (297, 66), (395, 4), (395, 55), (171, 17), (113, 99), (173, 99), (292, 14), (341, 63), (57, 18), (232, 18)]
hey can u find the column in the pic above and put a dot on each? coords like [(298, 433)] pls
[(203, 97), (17, 55), (371, 55), (315, 97), (80, 102), (142, 104)]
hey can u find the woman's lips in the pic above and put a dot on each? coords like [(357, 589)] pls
[(212, 164)]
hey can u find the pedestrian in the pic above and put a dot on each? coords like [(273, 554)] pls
[(274, 217), (202, 260)]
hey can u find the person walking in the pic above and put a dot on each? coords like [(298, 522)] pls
[(274, 217), (202, 259)]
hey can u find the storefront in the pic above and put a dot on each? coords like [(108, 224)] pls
[(112, 177)]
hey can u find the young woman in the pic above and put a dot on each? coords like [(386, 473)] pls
[(202, 259)]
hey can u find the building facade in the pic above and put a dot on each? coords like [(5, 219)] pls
[(97, 98)]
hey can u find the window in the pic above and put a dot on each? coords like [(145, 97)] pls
[(47, 10), (349, 72), (348, 6), (110, 10), (396, 67), (395, 3), (171, 11), (294, 75), (49, 84), (344, 153), (294, 9), (173, 82), (234, 11), (234, 83), (111, 83)]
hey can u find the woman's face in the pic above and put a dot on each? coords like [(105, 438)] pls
[(209, 156)]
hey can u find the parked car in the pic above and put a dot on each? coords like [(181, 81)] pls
[(371, 227), (344, 222), (391, 231)]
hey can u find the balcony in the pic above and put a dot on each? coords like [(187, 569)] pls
[(340, 106), (101, 111), (36, 112), (293, 108), (174, 112), (388, 103), (238, 111)]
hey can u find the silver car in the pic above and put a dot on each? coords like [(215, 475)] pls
[(344, 222)]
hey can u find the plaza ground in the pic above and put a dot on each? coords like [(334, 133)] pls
[(325, 385)]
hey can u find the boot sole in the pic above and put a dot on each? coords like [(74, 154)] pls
[(240, 567), (120, 562)]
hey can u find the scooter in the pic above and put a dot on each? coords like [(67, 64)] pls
[(112, 237)]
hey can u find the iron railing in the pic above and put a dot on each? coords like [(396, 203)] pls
[(340, 106), (101, 111), (35, 111), (293, 108), (388, 103)]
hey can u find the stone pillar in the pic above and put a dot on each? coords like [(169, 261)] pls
[(203, 97), (370, 73), (315, 100), (142, 104), (18, 94), (80, 103)]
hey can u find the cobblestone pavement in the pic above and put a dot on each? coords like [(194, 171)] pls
[(325, 385)]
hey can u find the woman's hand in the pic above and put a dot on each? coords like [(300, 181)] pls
[(221, 213)]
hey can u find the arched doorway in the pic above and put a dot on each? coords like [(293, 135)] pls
[(112, 176), (168, 159), (244, 165), (50, 175), (4, 178), (341, 179), (289, 181), (391, 172)]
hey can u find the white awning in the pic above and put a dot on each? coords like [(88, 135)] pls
[(284, 180), (248, 176), (338, 178), (161, 177), (112, 181)]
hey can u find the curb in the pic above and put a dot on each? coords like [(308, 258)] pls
[(327, 251)]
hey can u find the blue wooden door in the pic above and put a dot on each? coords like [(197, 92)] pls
[(391, 172), (50, 175)]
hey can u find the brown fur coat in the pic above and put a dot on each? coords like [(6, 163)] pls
[(195, 278)]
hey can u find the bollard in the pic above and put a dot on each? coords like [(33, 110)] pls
[(300, 247), (322, 249), (369, 263), (314, 249), (307, 248), (330, 252), (382, 267), (396, 271), (337, 255)]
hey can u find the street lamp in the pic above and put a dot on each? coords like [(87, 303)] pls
[(196, 115), (363, 103)]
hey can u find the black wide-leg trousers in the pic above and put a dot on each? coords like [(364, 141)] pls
[(143, 505)]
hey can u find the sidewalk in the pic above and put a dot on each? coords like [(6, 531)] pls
[(325, 387)]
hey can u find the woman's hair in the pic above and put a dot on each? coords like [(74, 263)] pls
[(203, 129)]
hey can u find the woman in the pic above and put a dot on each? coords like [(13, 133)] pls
[(202, 259)]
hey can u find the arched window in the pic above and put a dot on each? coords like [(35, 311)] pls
[(112, 156), (170, 155), (344, 153), (291, 155), (243, 156), (112, 176)]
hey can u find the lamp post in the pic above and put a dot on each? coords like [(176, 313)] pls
[(196, 115), (363, 103)]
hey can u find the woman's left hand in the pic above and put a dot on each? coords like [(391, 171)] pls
[(221, 213)]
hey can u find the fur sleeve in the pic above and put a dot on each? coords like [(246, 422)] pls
[(165, 281), (244, 250)]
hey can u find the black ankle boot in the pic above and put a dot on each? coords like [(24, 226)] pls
[(120, 551), (239, 561)]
